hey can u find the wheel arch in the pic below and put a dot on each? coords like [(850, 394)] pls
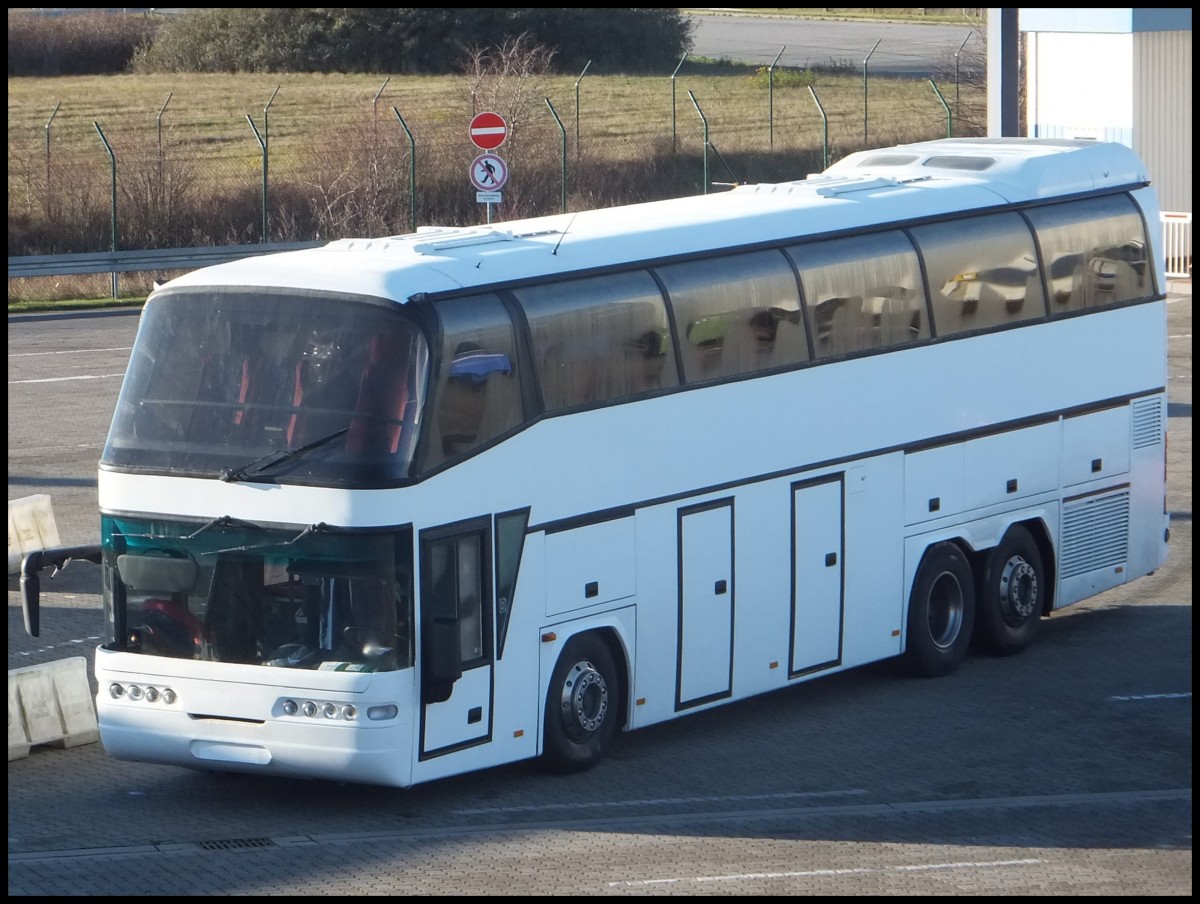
[(1040, 532)]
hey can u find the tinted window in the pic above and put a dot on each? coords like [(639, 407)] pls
[(478, 392), (1094, 252), (736, 315), (862, 293), (982, 272), (599, 339)]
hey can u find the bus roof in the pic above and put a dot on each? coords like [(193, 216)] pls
[(863, 190)]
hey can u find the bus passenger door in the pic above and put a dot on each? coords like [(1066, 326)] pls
[(705, 653), (456, 646), (817, 574)]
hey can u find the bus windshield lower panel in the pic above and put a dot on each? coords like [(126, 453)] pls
[(232, 592), (273, 386)]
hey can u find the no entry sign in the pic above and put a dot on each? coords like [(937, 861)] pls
[(488, 130)]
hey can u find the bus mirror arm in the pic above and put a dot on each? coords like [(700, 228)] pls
[(58, 557)]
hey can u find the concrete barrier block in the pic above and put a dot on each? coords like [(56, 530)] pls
[(50, 704), (30, 526)]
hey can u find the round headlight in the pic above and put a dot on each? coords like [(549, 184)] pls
[(349, 712), (135, 692), (330, 710), (290, 707), (168, 695), (309, 708), (116, 691), (151, 694)]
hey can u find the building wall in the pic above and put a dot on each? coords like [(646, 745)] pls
[(1162, 113), (1115, 75), (1080, 86)]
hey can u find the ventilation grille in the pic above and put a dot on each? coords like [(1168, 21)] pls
[(1147, 423), (1095, 533)]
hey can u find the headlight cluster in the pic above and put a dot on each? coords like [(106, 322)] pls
[(136, 692), (314, 709)]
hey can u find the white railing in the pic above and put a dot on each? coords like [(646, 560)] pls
[(1177, 244)]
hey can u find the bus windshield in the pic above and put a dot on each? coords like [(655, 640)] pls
[(273, 387), (229, 591)]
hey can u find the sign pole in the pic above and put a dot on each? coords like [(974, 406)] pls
[(488, 171)]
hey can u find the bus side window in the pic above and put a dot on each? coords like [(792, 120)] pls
[(863, 293), (739, 314), (1094, 251), (477, 396), (982, 272), (600, 339)]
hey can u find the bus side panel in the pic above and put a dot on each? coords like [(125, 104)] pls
[(875, 590), (1149, 520)]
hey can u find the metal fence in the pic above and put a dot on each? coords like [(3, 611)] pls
[(252, 158), (1177, 244)]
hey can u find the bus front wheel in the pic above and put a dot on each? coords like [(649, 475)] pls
[(941, 611), (581, 706), (1011, 594)]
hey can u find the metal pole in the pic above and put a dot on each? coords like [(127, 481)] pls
[(266, 146), (865, 91), (563, 130), (113, 158), (696, 104), (375, 107), (771, 97), (48, 121), (825, 130), (577, 81), (949, 114), (956, 53), (673, 74), (160, 151), (262, 144), (412, 172)]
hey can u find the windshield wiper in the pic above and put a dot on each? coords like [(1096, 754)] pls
[(229, 475), (223, 521)]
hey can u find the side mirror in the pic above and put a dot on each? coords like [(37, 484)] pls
[(33, 563)]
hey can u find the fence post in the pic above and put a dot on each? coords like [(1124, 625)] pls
[(263, 145), (577, 81), (956, 79), (865, 89), (696, 104), (412, 172), (160, 150), (824, 130), (563, 130), (673, 74), (113, 158), (48, 121), (771, 98), (949, 113)]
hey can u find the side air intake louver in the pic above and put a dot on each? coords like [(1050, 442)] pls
[(1147, 423), (1095, 533)]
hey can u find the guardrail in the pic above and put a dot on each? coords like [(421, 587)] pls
[(141, 261)]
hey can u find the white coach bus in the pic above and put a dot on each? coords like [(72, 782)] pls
[(392, 510)]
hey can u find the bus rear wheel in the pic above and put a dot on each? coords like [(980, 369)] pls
[(581, 706), (1011, 594), (941, 611)]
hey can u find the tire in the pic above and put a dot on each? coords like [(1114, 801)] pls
[(941, 611), (1012, 590), (582, 706)]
